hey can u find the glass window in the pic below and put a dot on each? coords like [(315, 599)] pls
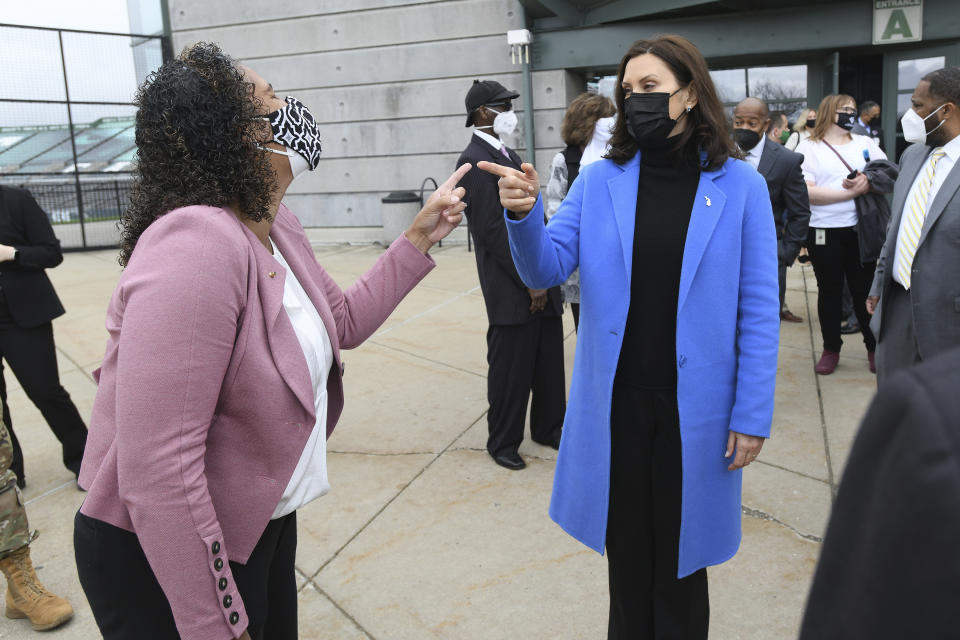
[(909, 72), (783, 88), (146, 16), (731, 84), (903, 103), (779, 84)]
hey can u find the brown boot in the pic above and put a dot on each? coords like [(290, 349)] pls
[(27, 598)]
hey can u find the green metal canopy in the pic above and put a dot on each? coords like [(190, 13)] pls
[(585, 13)]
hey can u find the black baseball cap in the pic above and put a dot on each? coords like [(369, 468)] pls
[(486, 92)]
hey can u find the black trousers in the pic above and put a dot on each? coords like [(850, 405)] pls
[(575, 310), (127, 601), (840, 257), (647, 600), (782, 279), (525, 358), (32, 356)]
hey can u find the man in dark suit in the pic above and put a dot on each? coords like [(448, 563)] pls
[(868, 122), (779, 125), (889, 568), (915, 297), (28, 304), (788, 191), (525, 336)]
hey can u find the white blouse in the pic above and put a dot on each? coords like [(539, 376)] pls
[(309, 480)]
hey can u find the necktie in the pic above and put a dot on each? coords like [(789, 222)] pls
[(915, 212), (503, 150)]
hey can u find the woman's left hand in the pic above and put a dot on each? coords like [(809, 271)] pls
[(746, 447), (859, 185), (441, 213)]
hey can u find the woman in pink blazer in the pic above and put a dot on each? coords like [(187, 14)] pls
[(222, 375)]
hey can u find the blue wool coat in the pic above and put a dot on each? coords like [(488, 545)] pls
[(727, 339)]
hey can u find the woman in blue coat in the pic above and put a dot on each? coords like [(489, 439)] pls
[(676, 357)]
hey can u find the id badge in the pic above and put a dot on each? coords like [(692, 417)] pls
[(820, 236)]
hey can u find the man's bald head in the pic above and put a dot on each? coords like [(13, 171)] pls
[(752, 114), (753, 106)]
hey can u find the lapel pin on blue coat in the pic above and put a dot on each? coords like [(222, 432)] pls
[(707, 198)]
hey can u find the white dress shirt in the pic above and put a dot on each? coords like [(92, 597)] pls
[(753, 156), (494, 142), (952, 151), (309, 480)]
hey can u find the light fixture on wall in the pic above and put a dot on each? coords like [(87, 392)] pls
[(519, 41)]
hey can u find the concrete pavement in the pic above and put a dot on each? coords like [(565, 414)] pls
[(422, 535)]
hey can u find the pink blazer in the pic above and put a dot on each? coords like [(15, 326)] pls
[(204, 401)]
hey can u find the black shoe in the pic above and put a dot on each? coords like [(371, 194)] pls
[(511, 461), (21, 482), (553, 443)]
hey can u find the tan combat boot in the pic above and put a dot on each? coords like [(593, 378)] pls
[(28, 598)]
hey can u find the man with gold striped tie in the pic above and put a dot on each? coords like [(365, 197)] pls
[(915, 297)]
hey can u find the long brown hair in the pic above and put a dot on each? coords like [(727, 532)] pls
[(582, 115), (826, 112), (706, 130)]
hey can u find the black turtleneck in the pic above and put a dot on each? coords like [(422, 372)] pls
[(664, 201)]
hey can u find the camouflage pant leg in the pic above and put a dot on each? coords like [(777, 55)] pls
[(14, 530)]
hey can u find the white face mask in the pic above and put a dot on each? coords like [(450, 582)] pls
[(915, 127), (504, 124), (298, 164)]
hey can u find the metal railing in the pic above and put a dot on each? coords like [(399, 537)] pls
[(72, 81), (84, 215)]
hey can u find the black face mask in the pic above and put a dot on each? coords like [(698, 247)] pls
[(746, 139), (648, 118), (846, 121), (811, 123)]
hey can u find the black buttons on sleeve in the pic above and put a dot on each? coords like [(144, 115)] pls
[(227, 601), (234, 617), (222, 584), (215, 548), (218, 564)]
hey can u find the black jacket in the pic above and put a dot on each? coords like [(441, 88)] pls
[(504, 292), (889, 568), (24, 283), (780, 167), (873, 210)]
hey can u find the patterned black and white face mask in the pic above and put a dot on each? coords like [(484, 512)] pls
[(293, 126)]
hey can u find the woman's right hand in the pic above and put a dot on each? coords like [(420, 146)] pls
[(518, 189)]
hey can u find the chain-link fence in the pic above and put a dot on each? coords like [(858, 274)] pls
[(67, 123)]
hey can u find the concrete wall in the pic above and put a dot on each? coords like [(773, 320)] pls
[(386, 81)]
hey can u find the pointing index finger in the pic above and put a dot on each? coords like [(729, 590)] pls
[(498, 169), (452, 181)]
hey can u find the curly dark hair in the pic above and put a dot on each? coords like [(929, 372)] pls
[(706, 131), (196, 123)]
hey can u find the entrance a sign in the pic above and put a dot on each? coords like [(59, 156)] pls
[(897, 21)]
